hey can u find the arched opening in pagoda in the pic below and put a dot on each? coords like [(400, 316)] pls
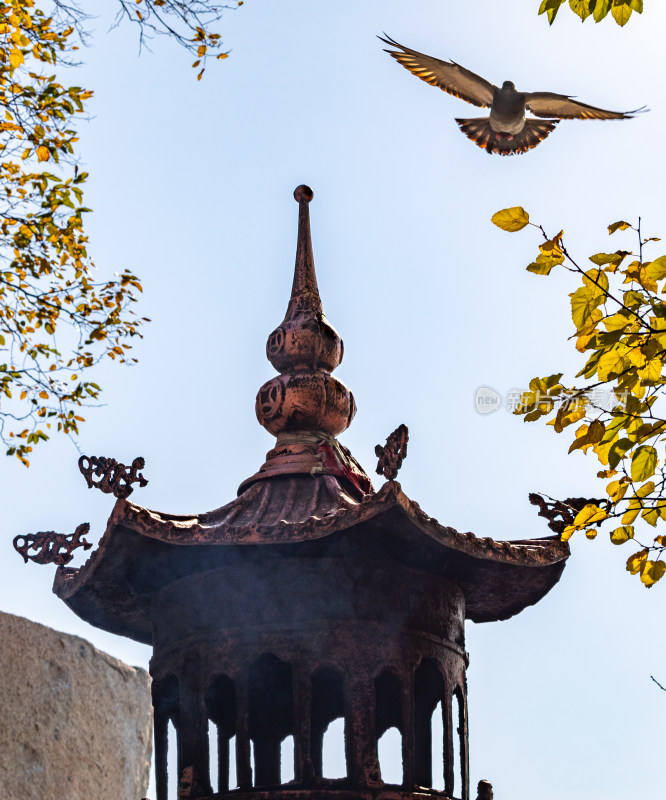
[(327, 737), (428, 749), (221, 712), (389, 727), (270, 718), (459, 743), (166, 703)]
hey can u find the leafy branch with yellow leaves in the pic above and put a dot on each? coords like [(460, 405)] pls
[(187, 22), (619, 10), (619, 315), (56, 319)]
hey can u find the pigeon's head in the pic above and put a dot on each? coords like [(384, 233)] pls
[(508, 86)]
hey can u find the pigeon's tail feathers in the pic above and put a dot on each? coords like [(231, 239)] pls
[(479, 131)]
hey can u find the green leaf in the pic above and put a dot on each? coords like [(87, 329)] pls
[(622, 535), (511, 219)]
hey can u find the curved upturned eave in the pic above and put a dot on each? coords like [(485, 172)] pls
[(499, 578)]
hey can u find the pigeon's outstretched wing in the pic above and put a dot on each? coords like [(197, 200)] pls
[(560, 106), (448, 75)]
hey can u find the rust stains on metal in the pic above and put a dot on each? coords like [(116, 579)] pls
[(111, 477), (50, 547), (393, 453)]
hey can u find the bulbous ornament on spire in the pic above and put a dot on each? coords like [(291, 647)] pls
[(305, 406), (305, 349)]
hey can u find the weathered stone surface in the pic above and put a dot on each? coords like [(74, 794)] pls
[(75, 723)]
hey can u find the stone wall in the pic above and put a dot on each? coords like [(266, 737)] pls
[(75, 723)]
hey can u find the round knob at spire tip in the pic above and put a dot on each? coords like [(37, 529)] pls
[(303, 192)]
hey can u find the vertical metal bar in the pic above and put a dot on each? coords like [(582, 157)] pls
[(302, 717), (267, 761), (193, 724), (361, 742), (222, 760)]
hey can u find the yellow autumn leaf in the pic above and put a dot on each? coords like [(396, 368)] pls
[(589, 514), (622, 535), (643, 463), (646, 489), (15, 58), (511, 219), (568, 532), (583, 301), (651, 516), (630, 515), (616, 490), (617, 322), (43, 153), (656, 270), (613, 363), (637, 561), (652, 572), (621, 14), (651, 371)]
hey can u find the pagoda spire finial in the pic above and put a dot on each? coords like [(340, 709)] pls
[(305, 406), (305, 277)]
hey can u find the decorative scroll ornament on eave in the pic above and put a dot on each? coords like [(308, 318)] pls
[(110, 476), (391, 456), (49, 547), (105, 474)]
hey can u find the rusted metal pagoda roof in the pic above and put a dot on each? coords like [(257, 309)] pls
[(310, 494)]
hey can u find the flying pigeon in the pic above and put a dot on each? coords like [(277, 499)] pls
[(506, 131)]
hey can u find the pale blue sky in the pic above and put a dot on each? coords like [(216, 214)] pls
[(191, 185)]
